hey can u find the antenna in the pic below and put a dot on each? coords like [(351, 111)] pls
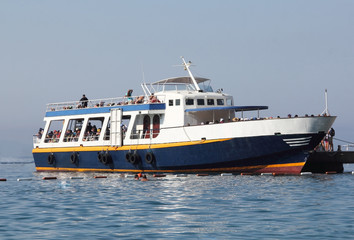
[(143, 85), (326, 112), (186, 67)]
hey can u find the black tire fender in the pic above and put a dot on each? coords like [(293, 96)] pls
[(134, 158), (149, 157), (51, 159), (74, 158)]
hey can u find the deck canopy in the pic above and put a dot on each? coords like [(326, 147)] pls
[(180, 80), (236, 108)]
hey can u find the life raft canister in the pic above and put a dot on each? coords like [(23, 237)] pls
[(74, 158), (149, 157), (51, 159)]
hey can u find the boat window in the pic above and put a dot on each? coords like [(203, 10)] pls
[(229, 101), (93, 129), (210, 102), (146, 127), (200, 102), (107, 134), (189, 101), (220, 101), (156, 126), (54, 131), (73, 130), (178, 102), (170, 102), (125, 124)]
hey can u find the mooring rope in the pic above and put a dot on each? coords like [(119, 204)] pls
[(343, 140)]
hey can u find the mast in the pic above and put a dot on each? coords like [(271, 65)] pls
[(326, 102), (186, 67)]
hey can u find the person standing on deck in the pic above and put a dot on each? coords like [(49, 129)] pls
[(331, 134), (84, 101)]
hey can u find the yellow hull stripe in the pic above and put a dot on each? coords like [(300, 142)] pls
[(124, 148), (231, 169)]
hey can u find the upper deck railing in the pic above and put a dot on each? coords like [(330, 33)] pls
[(346, 147), (104, 102)]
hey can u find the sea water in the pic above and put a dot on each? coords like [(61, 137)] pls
[(314, 206)]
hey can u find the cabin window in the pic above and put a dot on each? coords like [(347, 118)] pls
[(155, 126), (170, 102), (210, 102), (73, 130), (107, 134), (178, 102), (189, 101), (229, 101), (201, 102), (93, 129), (220, 101), (125, 124), (54, 131), (146, 127)]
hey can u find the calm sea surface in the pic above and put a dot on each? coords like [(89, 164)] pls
[(212, 207)]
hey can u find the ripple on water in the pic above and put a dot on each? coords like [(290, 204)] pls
[(213, 207)]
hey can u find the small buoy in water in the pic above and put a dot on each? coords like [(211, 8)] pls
[(353, 172), (181, 175), (159, 175), (306, 173), (266, 174), (3, 179), (49, 178), (331, 172), (100, 176), (202, 174), (24, 179), (226, 174), (76, 177), (129, 176), (279, 174)]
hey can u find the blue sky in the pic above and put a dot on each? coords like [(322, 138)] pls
[(282, 54)]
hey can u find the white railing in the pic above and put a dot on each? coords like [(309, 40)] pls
[(36, 139), (106, 102), (346, 147)]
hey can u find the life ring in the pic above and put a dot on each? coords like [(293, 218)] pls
[(51, 159), (149, 157), (127, 156), (106, 159), (134, 158), (74, 158)]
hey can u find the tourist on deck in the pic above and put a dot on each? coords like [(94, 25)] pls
[(331, 134), (325, 140), (129, 96), (139, 100), (84, 101), (40, 133)]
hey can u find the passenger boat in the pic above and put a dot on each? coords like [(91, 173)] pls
[(179, 125)]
